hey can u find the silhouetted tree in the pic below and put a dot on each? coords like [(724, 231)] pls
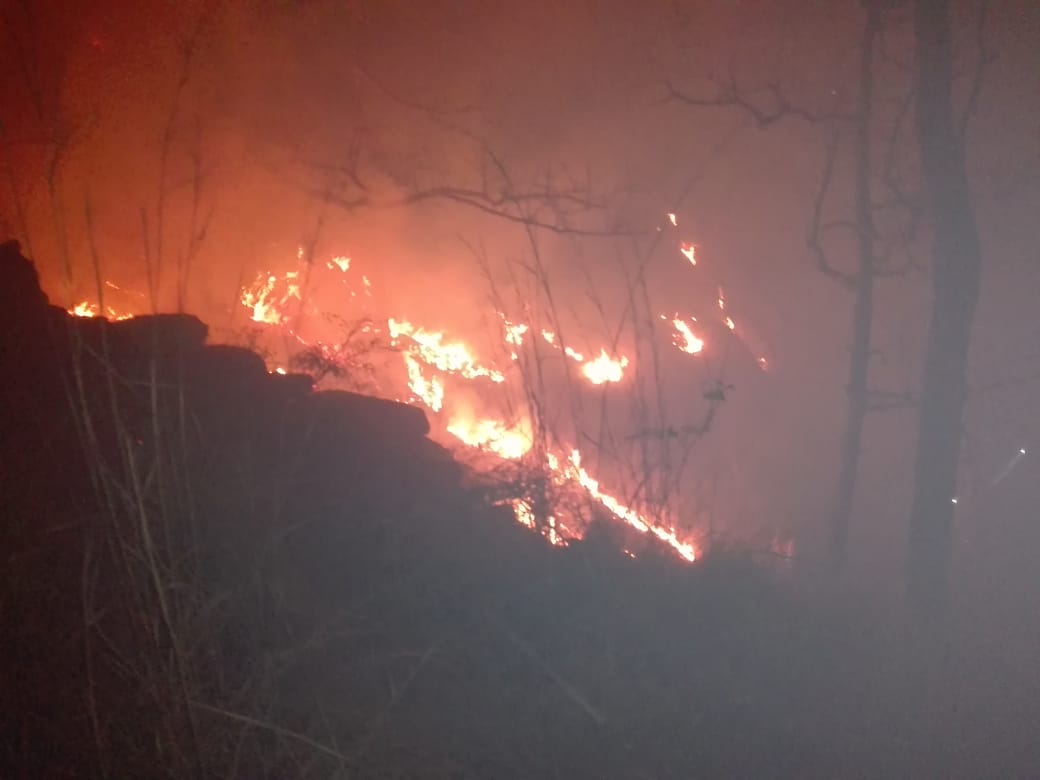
[(956, 264), (882, 224)]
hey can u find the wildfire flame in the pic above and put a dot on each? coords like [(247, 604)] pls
[(492, 436), (684, 338), (429, 347), (88, 309), (689, 251), (605, 368), (265, 302), (342, 262), (575, 471), (436, 364), (429, 391)]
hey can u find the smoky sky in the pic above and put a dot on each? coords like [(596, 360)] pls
[(275, 97)]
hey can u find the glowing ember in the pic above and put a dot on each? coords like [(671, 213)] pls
[(689, 251), (515, 333), (685, 339), (605, 368), (341, 262), (523, 512), (525, 515)]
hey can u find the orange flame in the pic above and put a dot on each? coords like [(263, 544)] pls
[(429, 347), (429, 391), (263, 301), (84, 309), (575, 471), (431, 359), (88, 309)]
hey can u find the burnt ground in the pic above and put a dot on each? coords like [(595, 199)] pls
[(212, 571)]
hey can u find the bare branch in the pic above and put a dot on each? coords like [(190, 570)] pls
[(274, 729), (572, 693), (766, 105), (984, 57), (845, 279), (887, 400), (545, 208)]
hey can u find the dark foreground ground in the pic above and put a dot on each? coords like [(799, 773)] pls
[(209, 571)]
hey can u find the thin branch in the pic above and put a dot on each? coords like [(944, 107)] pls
[(887, 400), (984, 58), (275, 729), (572, 693), (765, 111), (398, 695), (845, 279)]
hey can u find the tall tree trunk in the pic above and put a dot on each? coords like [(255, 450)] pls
[(863, 307), (955, 278)]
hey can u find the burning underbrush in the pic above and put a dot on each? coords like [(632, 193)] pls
[(214, 570), (559, 423)]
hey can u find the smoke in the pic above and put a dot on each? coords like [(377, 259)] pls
[(313, 124)]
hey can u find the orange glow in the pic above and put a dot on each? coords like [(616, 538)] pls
[(436, 364)]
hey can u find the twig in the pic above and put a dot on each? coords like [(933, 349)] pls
[(572, 693), (275, 729)]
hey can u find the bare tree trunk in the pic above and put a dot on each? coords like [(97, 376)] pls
[(863, 308), (955, 277)]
